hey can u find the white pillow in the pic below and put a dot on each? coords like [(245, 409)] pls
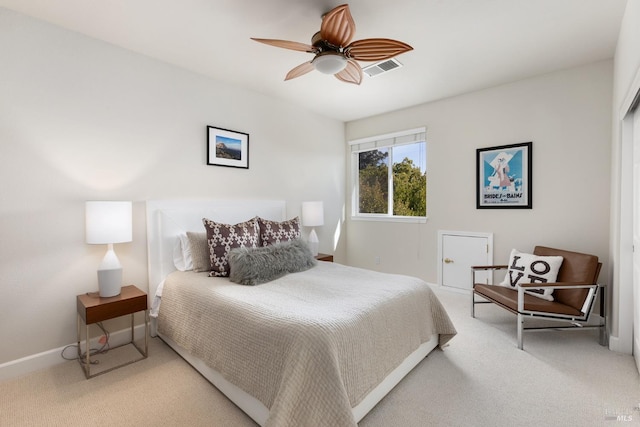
[(182, 258), (528, 268)]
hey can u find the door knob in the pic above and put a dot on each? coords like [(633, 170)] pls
[(448, 261)]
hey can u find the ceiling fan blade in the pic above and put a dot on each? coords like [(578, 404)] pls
[(376, 49), (286, 44), (351, 74), (299, 70), (338, 26)]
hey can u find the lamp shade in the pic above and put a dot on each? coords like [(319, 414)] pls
[(312, 214), (329, 62), (108, 222)]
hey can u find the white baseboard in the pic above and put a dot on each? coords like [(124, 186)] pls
[(49, 358), (636, 352), (618, 345)]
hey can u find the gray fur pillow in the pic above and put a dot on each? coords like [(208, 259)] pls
[(253, 266)]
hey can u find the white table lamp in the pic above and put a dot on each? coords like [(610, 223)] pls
[(109, 223), (313, 216)]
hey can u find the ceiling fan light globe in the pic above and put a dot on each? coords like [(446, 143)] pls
[(329, 63)]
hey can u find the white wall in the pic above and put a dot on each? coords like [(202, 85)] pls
[(626, 85), (565, 114), (84, 120)]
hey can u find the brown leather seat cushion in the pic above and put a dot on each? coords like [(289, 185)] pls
[(508, 298)]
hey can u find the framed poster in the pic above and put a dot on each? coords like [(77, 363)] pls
[(227, 148), (503, 177)]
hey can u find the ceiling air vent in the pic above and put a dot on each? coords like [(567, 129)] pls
[(382, 67)]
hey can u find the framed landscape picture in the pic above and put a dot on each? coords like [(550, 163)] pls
[(227, 148), (503, 177)]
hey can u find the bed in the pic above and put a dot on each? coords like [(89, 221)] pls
[(285, 352)]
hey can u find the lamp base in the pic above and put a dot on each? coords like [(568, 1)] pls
[(313, 242), (110, 282)]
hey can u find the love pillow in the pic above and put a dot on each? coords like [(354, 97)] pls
[(528, 268)]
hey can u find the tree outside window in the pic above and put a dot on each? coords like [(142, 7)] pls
[(401, 188)]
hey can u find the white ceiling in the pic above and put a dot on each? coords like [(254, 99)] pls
[(459, 45)]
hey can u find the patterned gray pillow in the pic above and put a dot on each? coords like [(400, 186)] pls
[(253, 266), (224, 237), (275, 232)]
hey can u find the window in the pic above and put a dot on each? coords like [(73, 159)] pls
[(389, 176)]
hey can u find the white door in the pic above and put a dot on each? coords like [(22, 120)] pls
[(459, 252), (636, 237)]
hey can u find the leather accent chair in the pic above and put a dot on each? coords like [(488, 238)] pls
[(574, 294)]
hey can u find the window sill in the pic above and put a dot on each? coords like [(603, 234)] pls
[(404, 219)]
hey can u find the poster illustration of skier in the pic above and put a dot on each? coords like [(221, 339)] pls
[(504, 176)]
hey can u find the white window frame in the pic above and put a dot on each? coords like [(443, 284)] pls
[(410, 136)]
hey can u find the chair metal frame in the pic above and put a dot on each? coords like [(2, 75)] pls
[(577, 322)]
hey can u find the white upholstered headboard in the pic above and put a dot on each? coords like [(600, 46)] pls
[(166, 219)]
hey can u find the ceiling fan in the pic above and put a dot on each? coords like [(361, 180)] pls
[(335, 53)]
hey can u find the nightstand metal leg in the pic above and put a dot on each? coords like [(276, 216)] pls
[(78, 333), (87, 349), (146, 332), (84, 364), (79, 329), (144, 353)]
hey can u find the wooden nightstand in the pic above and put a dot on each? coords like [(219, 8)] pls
[(324, 257), (93, 309)]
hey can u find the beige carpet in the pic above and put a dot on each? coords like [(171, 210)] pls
[(480, 379)]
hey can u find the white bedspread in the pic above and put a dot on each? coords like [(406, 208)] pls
[(310, 345)]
